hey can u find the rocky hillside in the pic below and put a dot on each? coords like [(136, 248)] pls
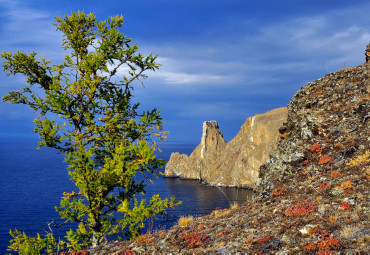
[(313, 191), (235, 163)]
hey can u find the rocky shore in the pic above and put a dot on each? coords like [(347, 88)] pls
[(313, 191)]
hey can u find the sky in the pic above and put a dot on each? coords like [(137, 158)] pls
[(223, 60)]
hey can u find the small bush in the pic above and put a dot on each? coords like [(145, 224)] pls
[(234, 206), (327, 243), (194, 240), (220, 212), (310, 247), (278, 191), (185, 220), (337, 191), (324, 159), (333, 218), (360, 160), (316, 148), (345, 205), (324, 185), (264, 239), (346, 185), (335, 174), (301, 209)]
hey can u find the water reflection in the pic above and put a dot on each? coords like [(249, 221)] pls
[(202, 199), (197, 199)]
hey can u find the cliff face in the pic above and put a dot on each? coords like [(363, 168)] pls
[(205, 154), (230, 164)]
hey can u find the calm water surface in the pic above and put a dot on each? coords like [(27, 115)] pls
[(33, 181)]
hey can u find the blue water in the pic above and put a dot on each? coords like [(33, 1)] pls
[(33, 181)]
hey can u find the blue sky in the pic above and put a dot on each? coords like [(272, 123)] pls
[(222, 60)]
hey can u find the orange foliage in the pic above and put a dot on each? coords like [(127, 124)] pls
[(345, 205), (327, 243), (324, 185), (316, 148), (301, 209), (264, 239), (346, 185), (335, 174), (278, 191), (310, 247), (324, 159)]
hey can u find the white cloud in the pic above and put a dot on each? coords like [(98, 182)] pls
[(302, 47), (26, 28), (188, 78), (323, 37), (194, 71)]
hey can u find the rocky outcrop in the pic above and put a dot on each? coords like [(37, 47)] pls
[(205, 154), (235, 163), (331, 114)]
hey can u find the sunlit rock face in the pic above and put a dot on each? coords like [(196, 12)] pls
[(235, 163), (205, 154)]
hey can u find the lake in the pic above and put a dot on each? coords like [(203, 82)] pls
[(33, 182)]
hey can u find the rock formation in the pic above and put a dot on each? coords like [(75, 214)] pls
[(313, 191), (330, 113), (235, 163)]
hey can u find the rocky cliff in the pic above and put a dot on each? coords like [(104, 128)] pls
[(313, 190), (235, 163)]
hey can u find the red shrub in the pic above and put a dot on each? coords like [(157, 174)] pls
[(225, 232), (345, 205), (335, 174), (324, 159), (301, 209), (193, 240), (327, 243), (316, 148), (324, 185), (264, 239), (278, 191), (310, 247)]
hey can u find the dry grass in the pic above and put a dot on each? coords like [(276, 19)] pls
[(234, 206), (333, 218), (349, 230), (185, 220), (360, 160)]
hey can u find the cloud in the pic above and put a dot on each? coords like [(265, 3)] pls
[(281, 54), (27, 28), (318, 38), (237, 62), (189, 78)]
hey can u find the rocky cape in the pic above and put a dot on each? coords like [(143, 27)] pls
[(313, 191), (235, 163)]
